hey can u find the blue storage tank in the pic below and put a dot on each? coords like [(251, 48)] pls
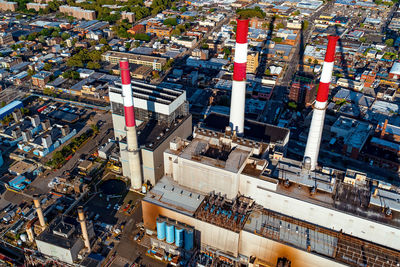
[(189, 238), (179, 236), (170, 233), (160, 229)]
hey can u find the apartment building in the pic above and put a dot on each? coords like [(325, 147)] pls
[(5, 6), (36, 6), (78, 12), (114, 57), (252, 62), (130, 16), (6, 38)]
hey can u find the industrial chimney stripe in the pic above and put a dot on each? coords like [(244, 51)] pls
[(238, 99), (132, 148), (327, 68), (317, 123), (127, 94), (242, 29)]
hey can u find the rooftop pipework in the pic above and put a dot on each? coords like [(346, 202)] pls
[(230, 214)]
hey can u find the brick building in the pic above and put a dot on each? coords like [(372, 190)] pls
[(5, 6), (302, 90), (78, 12)]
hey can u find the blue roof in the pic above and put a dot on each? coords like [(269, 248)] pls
[(10, 108)]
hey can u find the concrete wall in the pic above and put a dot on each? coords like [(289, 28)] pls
[(329, 218), (268, 250), (205, 178), (210, 235), (153, 161), (61, 253), (254, 187)]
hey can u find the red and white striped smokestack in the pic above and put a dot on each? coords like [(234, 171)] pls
[(135, 172), (236, 118), (317, 122)]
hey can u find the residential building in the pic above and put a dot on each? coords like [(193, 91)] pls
[(78, 12), (130, 16), (6, 38), (36, 6), (252, 62), (115, 57), (139, 28), (41, 78), (302, 90), (8, 6)]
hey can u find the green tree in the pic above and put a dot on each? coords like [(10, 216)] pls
[(305, 25), (170, 22), (142, 37), (93, 65), (103, 41), (389, 42), (183, 9), (362, 39), (47, 66), (95, 128), (3, 104), (277, 39), (250, 13), (65, 35)]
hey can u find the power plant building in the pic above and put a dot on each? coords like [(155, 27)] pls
[(161, 113), (62, 239), (248, 204)]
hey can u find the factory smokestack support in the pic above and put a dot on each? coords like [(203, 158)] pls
[(39, 211), (236, 118), (132, 141), (317, 122), (82, 221)]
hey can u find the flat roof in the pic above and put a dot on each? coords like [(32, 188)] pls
[(166, 193), (48, 236), (255, 130)]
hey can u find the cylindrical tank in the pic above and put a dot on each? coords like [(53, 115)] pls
[(170, 233), (189, 237), (160, 229), (179, 236)]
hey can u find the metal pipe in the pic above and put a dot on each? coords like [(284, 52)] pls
[(238, 98), (317, 122), (135, 169)]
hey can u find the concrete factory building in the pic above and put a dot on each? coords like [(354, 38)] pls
[(66, 237), (248, 204), (246, 201), (160, 113)]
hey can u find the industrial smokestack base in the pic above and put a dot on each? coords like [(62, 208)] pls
[(238, 97), (39, 211), (82, 221), (135, 168), (317, 123)]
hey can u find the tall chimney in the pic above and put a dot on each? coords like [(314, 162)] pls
[(132, 143), (82, 221), (39, 211), (317, 122), (384, 128), (238, 98)]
